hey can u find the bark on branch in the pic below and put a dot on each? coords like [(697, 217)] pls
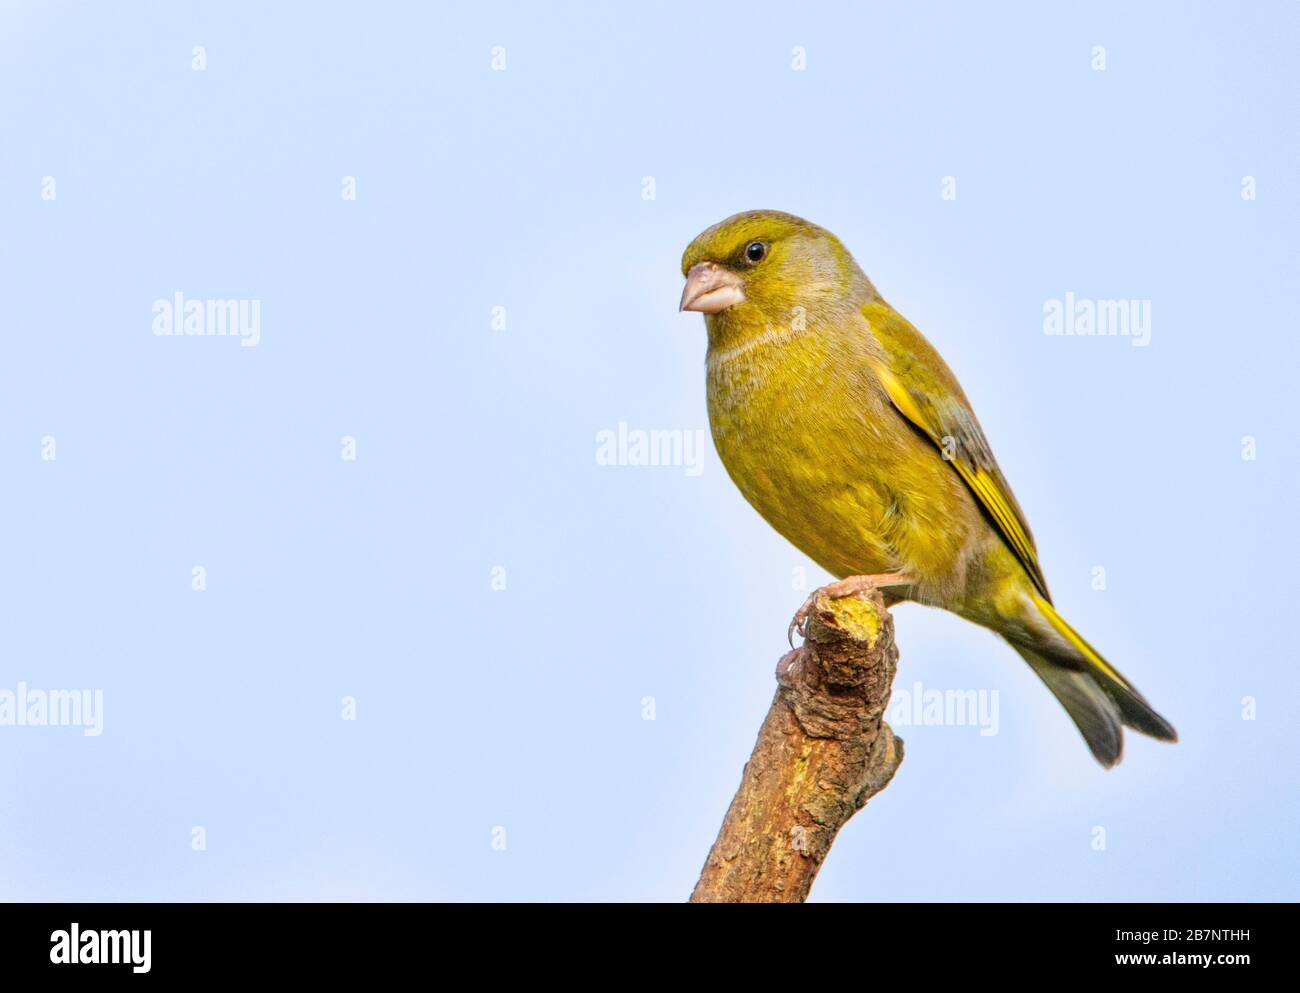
[(822, 752)]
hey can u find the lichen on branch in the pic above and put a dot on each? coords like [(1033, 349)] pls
[(822, 752)]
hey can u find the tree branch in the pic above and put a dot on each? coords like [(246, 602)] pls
[(822, 752)]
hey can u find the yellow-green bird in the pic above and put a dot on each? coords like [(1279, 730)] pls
[(844, 428)]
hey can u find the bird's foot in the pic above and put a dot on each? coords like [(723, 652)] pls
[(788, 666), (848, 586)]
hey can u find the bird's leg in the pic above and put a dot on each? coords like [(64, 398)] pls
[(848, 586)]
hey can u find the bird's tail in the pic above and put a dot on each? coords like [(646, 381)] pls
[(1098, 699)]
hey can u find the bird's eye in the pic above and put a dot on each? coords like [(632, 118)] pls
[(755, 251)]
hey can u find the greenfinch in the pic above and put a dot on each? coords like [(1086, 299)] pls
[(846, 431)]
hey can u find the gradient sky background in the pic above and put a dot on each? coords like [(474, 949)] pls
[(522, 708)]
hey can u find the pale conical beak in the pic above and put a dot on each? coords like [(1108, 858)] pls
[(710, 288)]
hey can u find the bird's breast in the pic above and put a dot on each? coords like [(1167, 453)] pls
[(810, 439)]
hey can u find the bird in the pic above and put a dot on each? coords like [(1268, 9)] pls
[(845, 429)]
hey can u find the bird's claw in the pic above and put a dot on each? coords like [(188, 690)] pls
[(848, 586), (800, 620)]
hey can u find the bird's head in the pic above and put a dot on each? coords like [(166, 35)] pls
[(755, 269)]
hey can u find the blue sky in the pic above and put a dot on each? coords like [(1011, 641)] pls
[(500, 748)]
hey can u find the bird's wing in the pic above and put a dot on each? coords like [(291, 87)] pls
[(924, 390)]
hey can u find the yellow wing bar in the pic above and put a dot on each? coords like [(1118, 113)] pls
[(962, 444)]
